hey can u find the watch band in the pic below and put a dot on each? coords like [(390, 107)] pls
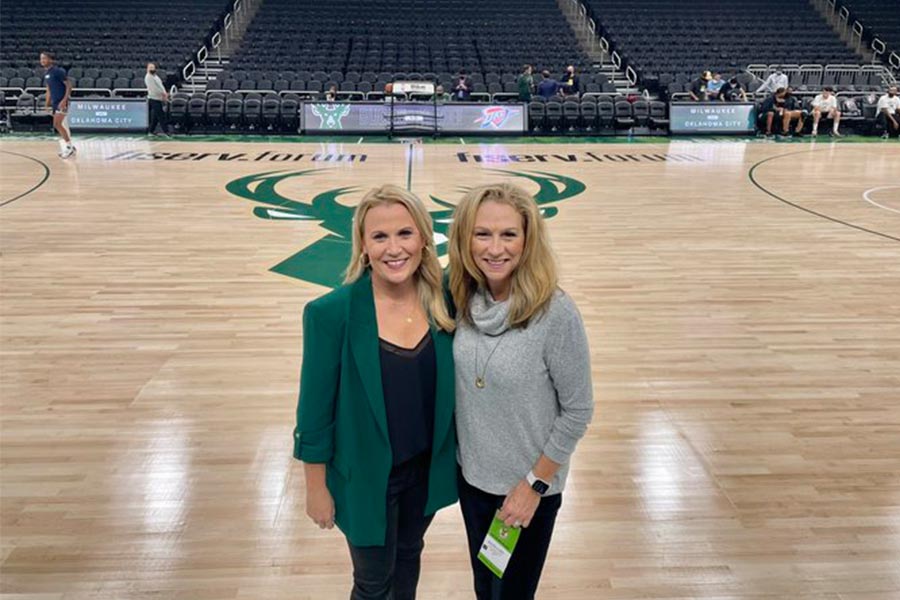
[(537, 484)]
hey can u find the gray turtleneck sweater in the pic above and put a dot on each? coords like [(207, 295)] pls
[(537, 395)]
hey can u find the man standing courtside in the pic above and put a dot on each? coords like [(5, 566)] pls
[(157, 97), (59, 89), (889, 113)]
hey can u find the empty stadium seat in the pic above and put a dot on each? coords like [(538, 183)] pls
[(234, 112), (659, 37)]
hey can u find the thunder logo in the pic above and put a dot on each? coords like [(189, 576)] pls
[(495, 117)]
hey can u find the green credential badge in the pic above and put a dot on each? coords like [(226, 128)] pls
[(498, 546)]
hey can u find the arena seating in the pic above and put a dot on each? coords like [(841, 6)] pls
[(879, 18), (293, 51), (682, 39), (359, 45), (105, 44)]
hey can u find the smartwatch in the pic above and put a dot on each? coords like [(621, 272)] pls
[(538, 485)]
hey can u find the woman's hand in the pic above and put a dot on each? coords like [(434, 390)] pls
[(319, 503), (320, 506), (519, 506)]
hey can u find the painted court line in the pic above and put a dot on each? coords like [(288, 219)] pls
[(876, 189)]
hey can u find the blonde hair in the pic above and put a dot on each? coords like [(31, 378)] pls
[(429, 275), (535, 278)]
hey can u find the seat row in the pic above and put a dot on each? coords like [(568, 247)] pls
[(657, 36), (606, 116)]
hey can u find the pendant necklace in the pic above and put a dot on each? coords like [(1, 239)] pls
[(480, 381)]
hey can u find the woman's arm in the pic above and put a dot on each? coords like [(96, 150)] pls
[(568, 360), (319, 380), (314, 434)]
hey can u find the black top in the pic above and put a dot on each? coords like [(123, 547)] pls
[(698, 88), (408, 379)]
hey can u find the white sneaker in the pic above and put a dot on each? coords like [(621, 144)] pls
[(69, 151)]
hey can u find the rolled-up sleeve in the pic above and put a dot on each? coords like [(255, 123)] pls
[(319, 383), (568, 360)]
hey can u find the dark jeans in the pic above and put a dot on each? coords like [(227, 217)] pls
[(392, 571), (520, 581), (882, 123), (157, 116)]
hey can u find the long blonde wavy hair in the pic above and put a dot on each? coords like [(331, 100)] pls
[(535, 278), (429, 274)]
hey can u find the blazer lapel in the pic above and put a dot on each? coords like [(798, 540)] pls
[(363, 331), (444, 386)]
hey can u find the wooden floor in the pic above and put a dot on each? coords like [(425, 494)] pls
[(743, 307)]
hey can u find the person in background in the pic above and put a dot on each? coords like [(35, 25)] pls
[(732, 91), (699, 88), (523, 380), (714, 86), (570, 84), (157, 98), (888, 109), (525, 83), (331, 94), (825, 105), (441, 96), (462, 90), (774, 82), (548, 87), (772, 107), (793, 110), (59, 90)]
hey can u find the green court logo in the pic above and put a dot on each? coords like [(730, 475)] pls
[(330, 115), (323, 262)]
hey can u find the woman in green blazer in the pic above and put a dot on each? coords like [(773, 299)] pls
[(375, 414)]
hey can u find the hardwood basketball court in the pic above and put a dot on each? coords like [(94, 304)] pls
[(742, 301)]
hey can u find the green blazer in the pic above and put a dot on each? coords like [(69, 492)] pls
[(341, 417)]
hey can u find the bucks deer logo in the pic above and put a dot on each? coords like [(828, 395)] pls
[(323, 262), (330, 115)]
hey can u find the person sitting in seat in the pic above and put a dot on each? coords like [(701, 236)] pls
[(714, 86), (441, 96), (331, 94), (825, 105), (782, 106), (888, 116), (462, 91), (699, 87), (793, 110), (732, 91), (548, 87), (570, 84)]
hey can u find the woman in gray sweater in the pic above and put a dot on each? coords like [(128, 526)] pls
[(523, 380)]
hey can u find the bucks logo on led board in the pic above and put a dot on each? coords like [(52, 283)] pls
[(331, 115), (323, 262)]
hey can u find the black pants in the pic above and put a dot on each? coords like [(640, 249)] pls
[(392, 571), (158, 116), (523, 573), (884, 125)]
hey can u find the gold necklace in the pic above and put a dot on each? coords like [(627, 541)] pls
[(409, 315), (480, 381)]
